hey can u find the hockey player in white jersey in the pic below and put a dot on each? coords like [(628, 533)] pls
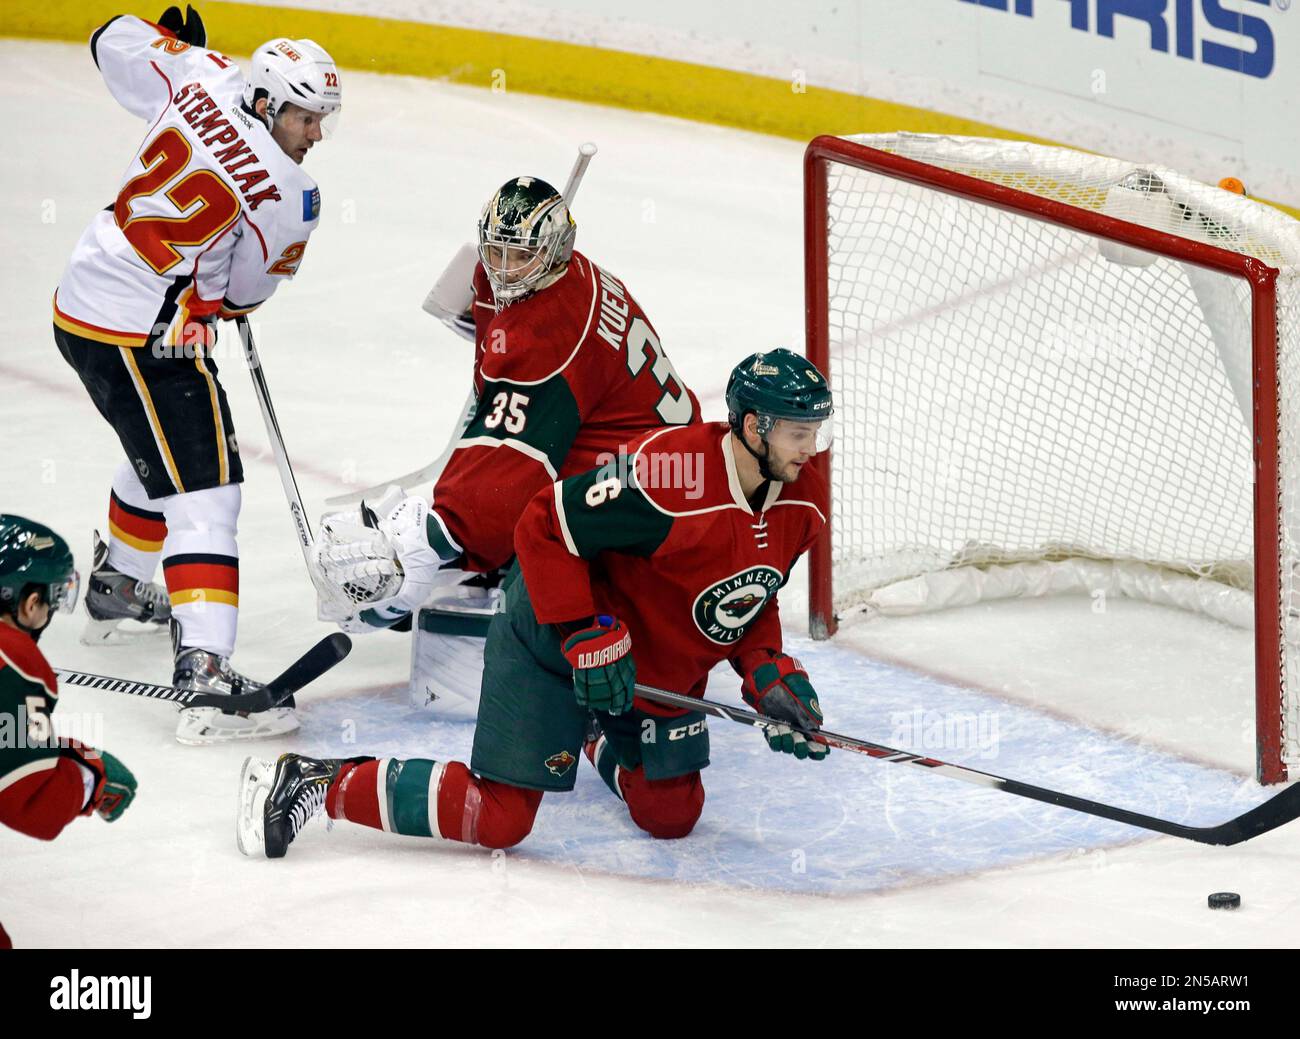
[(212, 215)]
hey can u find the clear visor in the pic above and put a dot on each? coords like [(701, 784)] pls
[(792, 437), (63, 596), (305, 121)]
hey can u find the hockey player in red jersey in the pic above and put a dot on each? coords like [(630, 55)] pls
[(45, 781), (568, 371), (625, 574), (212, 216)]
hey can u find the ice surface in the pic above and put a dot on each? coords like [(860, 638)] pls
[(705, 226)]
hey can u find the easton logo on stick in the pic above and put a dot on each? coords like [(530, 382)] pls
[(724, 610)]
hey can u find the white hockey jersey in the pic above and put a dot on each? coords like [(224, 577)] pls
[(211, 215)]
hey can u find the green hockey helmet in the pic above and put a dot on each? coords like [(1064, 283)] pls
[(35, 559), (779, 386), (525, 237)]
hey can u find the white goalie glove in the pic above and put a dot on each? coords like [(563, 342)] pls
[(376, 564)]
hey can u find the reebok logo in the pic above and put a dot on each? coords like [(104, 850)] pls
[(74, 992)]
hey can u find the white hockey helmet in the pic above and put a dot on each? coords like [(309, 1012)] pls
[(299, 72)]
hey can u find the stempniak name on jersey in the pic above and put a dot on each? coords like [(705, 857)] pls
[(724, 610), (228, 147)]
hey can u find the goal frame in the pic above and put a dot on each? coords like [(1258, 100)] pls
[(824, 150)]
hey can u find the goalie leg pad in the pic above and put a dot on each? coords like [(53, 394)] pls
[(447, 644)]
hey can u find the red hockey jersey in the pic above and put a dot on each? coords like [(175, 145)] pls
[(671, 547), (42, 785), (565, 379)]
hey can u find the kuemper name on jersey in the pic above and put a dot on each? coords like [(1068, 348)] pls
[(612, 324), (228, 147), (724, 610)]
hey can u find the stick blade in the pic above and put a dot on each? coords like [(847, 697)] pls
[(1276, 811), (308, 667)]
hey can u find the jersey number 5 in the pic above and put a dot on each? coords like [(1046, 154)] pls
[(206, 203)]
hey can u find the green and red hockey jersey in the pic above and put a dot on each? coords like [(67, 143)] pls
[(565, 379), (672, 548), (43, 786)]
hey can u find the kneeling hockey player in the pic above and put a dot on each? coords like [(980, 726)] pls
[(620, 577)]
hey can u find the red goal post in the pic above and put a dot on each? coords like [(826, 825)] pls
[(933, 265)]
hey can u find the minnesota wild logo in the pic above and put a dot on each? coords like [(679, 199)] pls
[(724, 610), (560, 763)]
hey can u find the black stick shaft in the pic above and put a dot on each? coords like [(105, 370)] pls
[(1273, 813)]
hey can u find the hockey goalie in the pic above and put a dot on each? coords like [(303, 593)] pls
[(568, 370)]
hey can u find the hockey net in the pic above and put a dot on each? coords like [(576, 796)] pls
[(1057, 372)]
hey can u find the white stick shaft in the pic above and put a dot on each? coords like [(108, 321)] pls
[(301, 525), (580, 164)]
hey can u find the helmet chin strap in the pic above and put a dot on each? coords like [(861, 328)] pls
[(764, 469), (35, 633)]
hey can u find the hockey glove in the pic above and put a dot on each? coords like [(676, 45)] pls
[(604, 673), (373, 568), (778, 687), (189, 29), (114, 787)]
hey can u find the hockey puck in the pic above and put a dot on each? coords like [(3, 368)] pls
[(1225, 900)]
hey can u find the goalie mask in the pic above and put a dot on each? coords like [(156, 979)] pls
[(525, 238), (297, 72)]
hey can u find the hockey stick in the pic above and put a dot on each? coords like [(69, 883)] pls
[(425, 474), (301, 525), (307, 668), (1276, 811), (434, 469), (580, 164)]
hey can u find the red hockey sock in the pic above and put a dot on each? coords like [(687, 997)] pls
[(423, 798), (665, 808)]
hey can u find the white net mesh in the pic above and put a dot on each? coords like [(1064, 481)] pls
[(1012, 391)]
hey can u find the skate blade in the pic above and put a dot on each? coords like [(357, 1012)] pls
[(204, 726), (120, 632), (254, 786)]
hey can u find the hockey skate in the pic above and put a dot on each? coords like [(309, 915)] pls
[(199, 670), (121, 609), (278, 798)]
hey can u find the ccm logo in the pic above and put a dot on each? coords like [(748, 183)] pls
[(1174, 25)]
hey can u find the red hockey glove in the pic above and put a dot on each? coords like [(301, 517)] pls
[(604, 673), (778, 687)]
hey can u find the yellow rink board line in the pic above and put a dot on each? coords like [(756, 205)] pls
[(532, 66)]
